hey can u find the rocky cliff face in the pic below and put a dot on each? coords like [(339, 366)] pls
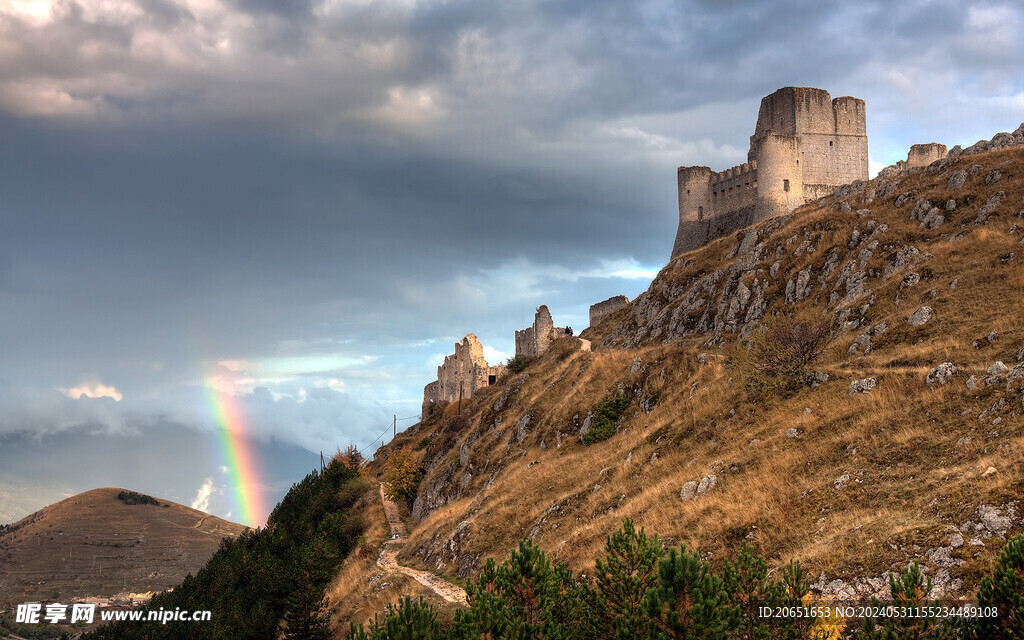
[(837, 260)]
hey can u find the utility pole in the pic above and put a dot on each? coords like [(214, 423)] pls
[(321, 461), (394, 426)]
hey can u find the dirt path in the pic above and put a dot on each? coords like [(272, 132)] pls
[(388, 559)]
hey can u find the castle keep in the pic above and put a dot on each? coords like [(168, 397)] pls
[(804, 145)]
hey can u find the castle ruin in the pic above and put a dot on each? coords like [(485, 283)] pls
[(461, 374), (535, 339), (804, 145)]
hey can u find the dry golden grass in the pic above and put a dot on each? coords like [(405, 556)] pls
[(361, 589), (911, 476)]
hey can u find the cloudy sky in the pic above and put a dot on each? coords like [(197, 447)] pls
[(297, 207)]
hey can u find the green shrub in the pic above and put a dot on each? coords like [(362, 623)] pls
[(910, 589), (774, 361), (642, 593), (267, 581), (517, 363), (130, 497), (1004, 590), (606, 415)]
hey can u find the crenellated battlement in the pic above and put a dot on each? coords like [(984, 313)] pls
[(804, 145)]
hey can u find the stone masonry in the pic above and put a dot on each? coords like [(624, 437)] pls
[(463, 372), (602, 309), (804, 145), (535, 339)]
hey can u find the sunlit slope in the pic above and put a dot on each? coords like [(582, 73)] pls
[(852, 485)]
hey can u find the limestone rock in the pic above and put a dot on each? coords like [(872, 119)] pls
[(990, 206), (920, 317), (997, 368), (863, 386), (523, 427), (957, 180), (816, 378), (901, 259), (688, 491), (941, 374), (707, 483)]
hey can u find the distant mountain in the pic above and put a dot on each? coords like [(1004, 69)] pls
[(97, 544)]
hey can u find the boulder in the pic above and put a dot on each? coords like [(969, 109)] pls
[(688, 491), (863, 386), (941, 374), (920, 317), (707, 483), (957, 180)]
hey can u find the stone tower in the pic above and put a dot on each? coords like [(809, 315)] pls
[(804, 145)]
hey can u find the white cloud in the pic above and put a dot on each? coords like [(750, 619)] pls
[(93, 390), (493, 356), (202, 501)]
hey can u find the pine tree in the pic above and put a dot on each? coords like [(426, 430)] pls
[(1004, 591), (689, 601), (749, 589), (910, 590), (629, 570), (525, 599), (306, 616)]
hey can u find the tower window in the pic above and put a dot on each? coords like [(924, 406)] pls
[(830, 143), (785, 185), (700, 213)]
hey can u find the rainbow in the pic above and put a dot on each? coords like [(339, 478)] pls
[(239, 458)]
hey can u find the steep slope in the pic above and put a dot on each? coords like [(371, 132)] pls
[(851, 484), (94, 544)]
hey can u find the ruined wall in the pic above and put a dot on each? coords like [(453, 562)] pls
[(804, 145), (922, 155), (463, 372), (535, 339), (602, 309)]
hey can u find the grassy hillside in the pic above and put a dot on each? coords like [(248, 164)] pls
[(852, 485), (95, 544), (269, 581)]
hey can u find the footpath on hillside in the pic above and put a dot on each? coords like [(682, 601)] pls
[(388, 559)]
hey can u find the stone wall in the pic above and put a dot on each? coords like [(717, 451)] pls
[(602, 309), (463, 372), (922, 155), (535, 339), (804, 145)]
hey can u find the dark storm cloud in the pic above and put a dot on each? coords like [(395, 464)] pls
[(308, 202)]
